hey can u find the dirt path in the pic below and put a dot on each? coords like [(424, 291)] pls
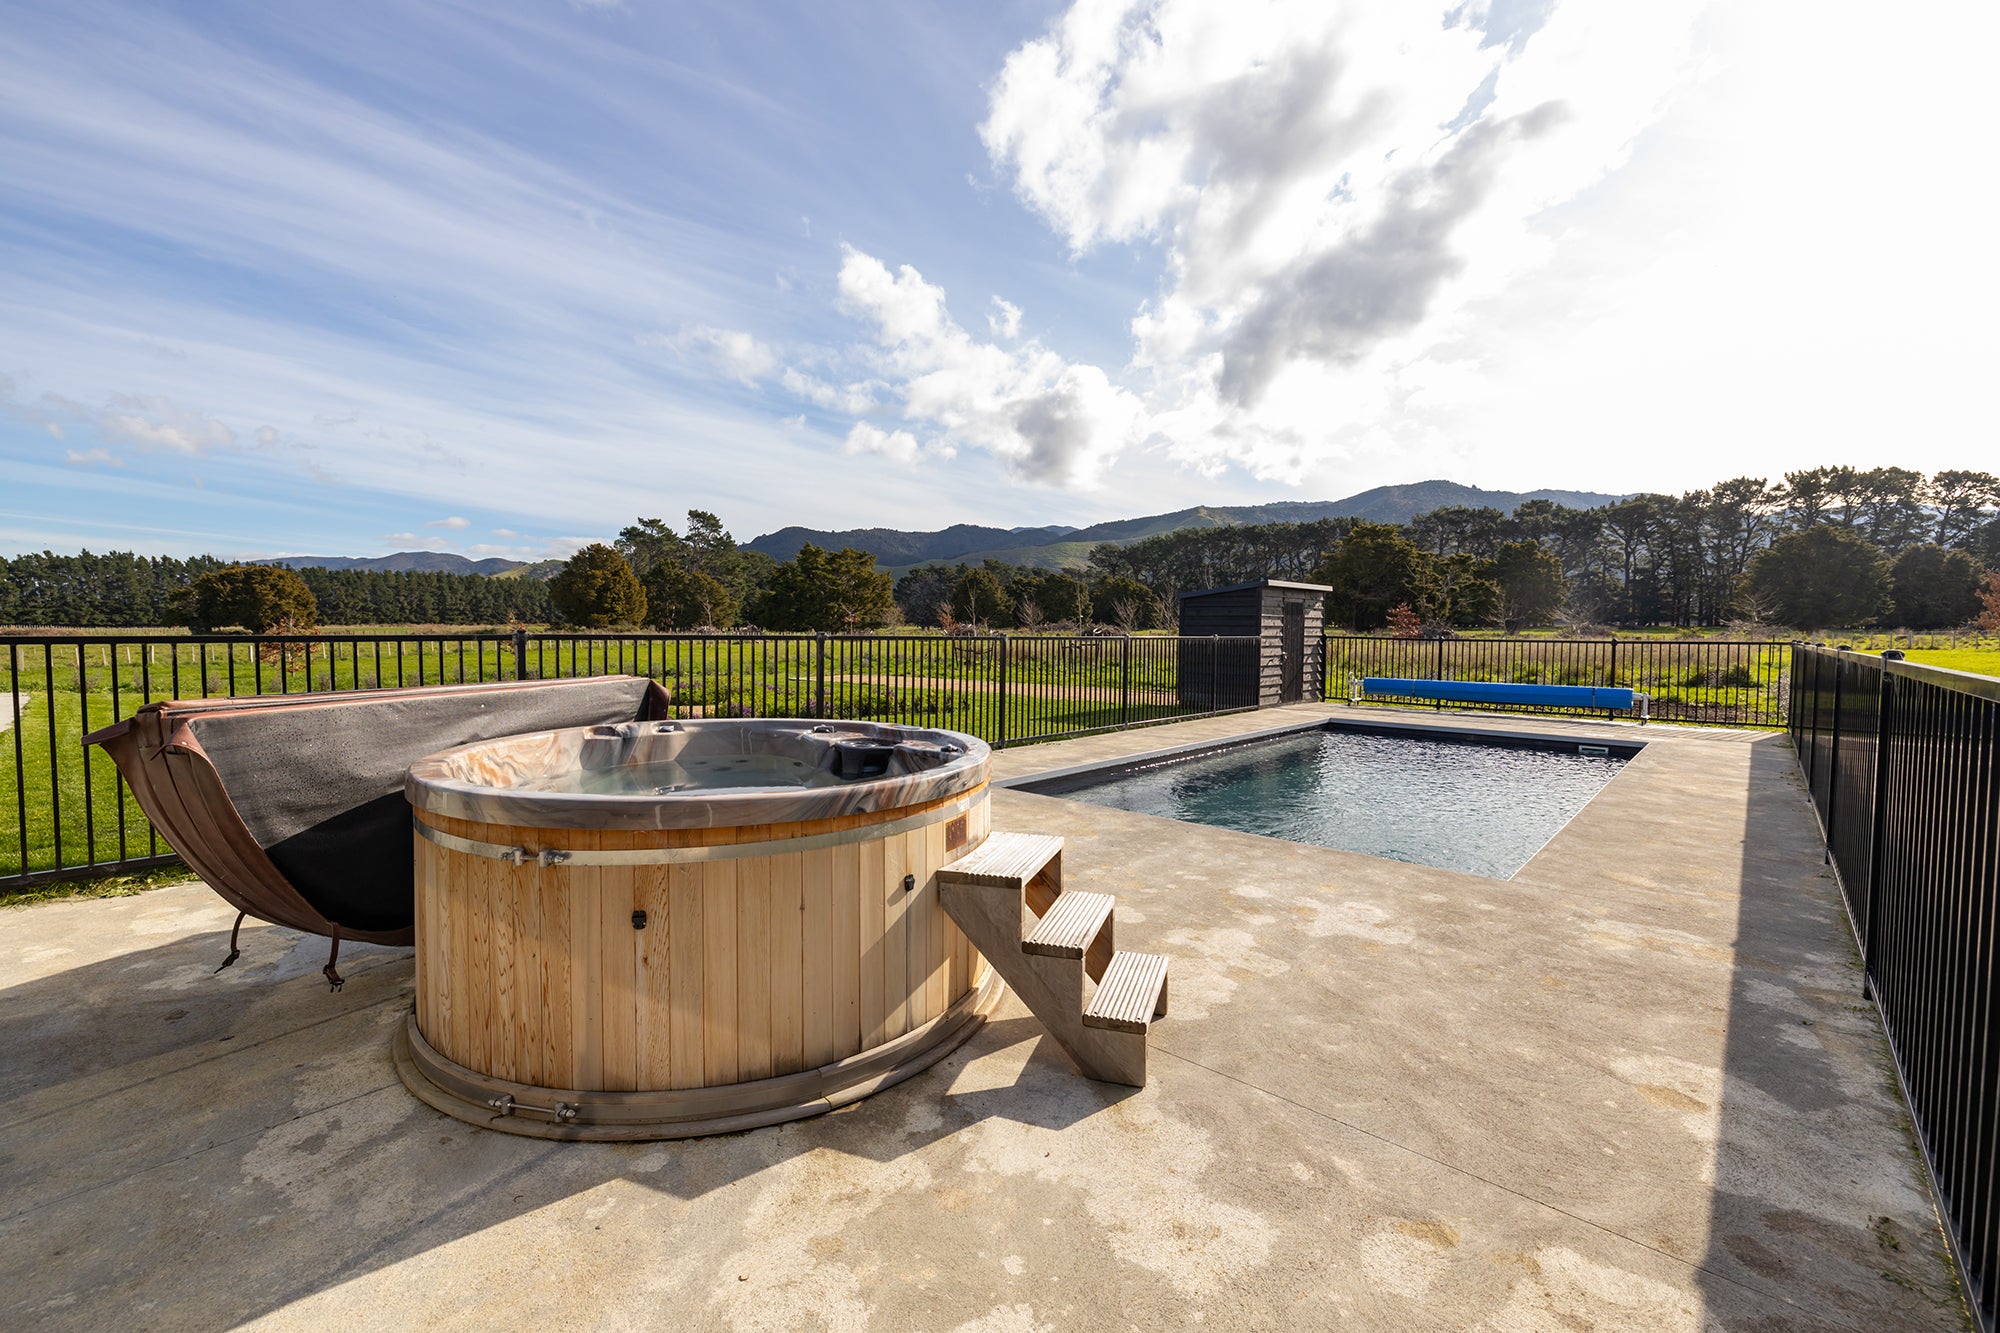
[(7, 709)]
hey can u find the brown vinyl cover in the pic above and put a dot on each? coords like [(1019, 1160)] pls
[(291, 807)]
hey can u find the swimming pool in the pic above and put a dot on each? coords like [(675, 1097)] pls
[(1453, 801)]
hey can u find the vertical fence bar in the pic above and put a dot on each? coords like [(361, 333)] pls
[(1926, 926)]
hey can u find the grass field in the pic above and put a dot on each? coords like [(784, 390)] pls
[(62, 805), (1692, 680), (1979, 661)]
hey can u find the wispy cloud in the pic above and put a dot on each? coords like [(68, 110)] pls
[(152, 422), (454, 522)]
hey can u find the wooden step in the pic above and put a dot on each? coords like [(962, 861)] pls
[(1132, 994), (1071, 925), (1005, 860)]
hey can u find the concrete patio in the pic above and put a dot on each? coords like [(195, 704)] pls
[(1635, 1087)]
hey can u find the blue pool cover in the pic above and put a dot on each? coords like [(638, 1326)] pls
[(1491, 692)]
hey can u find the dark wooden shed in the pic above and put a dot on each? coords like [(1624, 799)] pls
[(1289, 619)]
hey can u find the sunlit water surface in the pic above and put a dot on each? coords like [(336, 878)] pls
[(1483, 809)]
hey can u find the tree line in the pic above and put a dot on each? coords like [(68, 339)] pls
[(1823, 547), (118, 589), (1829, 546)]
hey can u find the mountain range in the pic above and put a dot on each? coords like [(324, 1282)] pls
[(1051, 547), (402, 562), (1056, 547)]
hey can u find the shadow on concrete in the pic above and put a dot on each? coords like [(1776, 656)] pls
[(1801, 1205), (270, 1110)]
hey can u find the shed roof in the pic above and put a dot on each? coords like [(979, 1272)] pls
[(1260, 583)]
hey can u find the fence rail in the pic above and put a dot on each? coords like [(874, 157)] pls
[(1900, 760), (66, 813), (1709, 681)]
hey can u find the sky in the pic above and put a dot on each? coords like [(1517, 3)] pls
[(280, 277)]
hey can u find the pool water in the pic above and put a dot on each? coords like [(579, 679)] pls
[(1481, 808)]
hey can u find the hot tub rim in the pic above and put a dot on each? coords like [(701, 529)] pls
[(428, 790)]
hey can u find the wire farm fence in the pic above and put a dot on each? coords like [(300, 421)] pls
[(1708, 681), (1900, 760), (65, 812)]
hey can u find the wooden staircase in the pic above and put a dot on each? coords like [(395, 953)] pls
[(1007, 896)]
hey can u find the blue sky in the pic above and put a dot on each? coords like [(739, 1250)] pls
[(498, 277)]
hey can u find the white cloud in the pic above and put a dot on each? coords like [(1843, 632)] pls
[(853, 399), (1331, 187), (899, 446), (505, 532), (399, 536), (1050, 420), (92, 458), (453, 522), (1004, 320), (153, 422), (736, 354)]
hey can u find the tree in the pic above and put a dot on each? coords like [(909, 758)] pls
[(1964, 502), (649, 542), (596, 589), (924, 594), (263, 599), (978, 599), (679, 598), (1060, 596), (1455, 590), (1932, 588), (1989, 602), (1373, 569), (1891, 505), (1126, 603), (1530, 582), (839, 591), (1808, 497), (1822, 577)]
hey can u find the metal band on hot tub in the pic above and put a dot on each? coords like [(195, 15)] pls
[(653, 856)]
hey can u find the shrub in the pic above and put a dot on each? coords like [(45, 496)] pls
[(596, 589), (263, 599)]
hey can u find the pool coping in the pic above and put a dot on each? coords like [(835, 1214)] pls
[(1057, 781)]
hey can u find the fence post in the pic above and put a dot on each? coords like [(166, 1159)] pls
[(520, 654), (1000, 731), (1833, 758), (1882, 730), (1611, 681), (819, 675), (1125, 682), (1438, 674)]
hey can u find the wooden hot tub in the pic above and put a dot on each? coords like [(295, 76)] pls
[(663, 929)]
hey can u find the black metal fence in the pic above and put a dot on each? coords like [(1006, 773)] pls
[(1900, 760), (1718, 682), (65, 812)]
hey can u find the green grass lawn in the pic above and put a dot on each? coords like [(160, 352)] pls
[(63, 806), (1979, 661)]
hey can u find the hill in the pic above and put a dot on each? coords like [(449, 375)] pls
[(1056, 547), (402, 562)]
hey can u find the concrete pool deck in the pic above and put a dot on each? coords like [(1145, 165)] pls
[(1635, 1087)]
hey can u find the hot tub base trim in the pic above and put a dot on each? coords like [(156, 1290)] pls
[(682, 1113)]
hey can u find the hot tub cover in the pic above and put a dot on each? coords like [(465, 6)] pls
[(291, 807)]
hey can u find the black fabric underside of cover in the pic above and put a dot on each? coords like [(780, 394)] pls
[(321, 787)]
